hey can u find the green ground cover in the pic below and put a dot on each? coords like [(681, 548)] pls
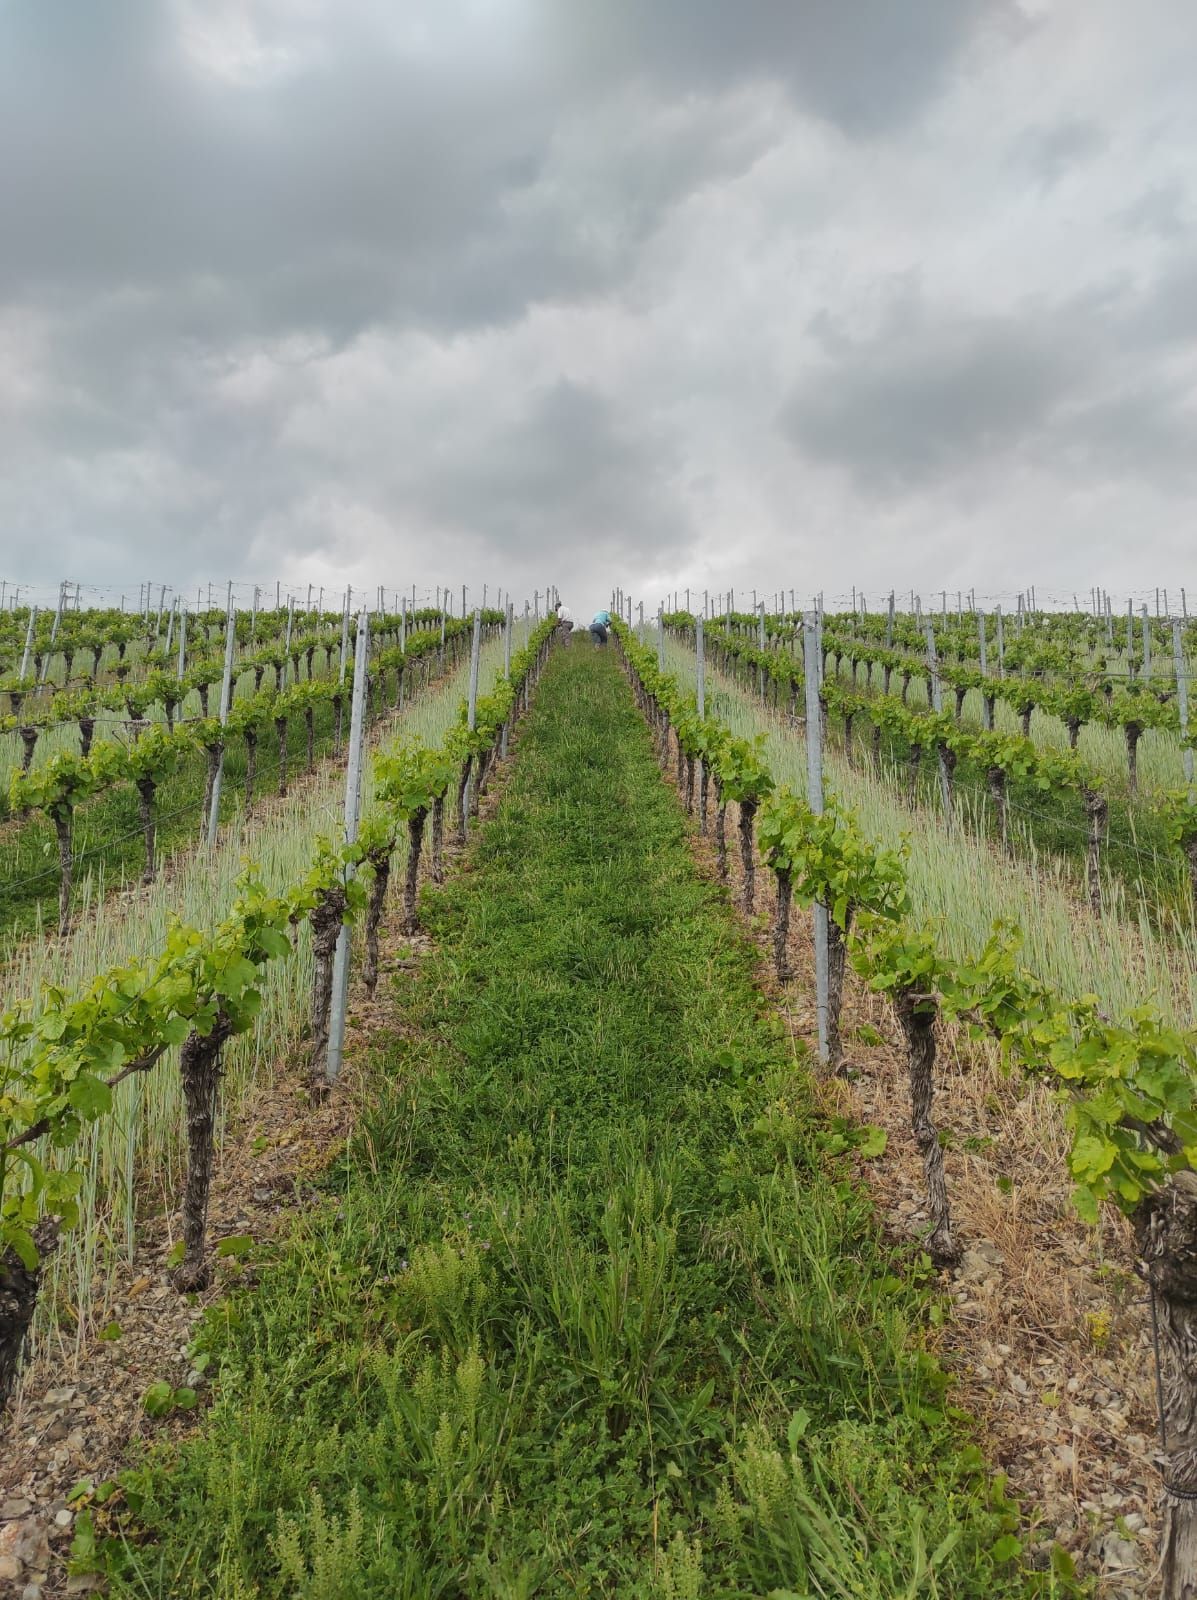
[(593, 1306)]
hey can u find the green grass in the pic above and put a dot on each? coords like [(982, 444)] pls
[(592, 1307)]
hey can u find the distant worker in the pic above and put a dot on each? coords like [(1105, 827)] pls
[(565, 620), (599, 626)]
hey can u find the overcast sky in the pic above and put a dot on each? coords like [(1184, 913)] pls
[(808, 293)]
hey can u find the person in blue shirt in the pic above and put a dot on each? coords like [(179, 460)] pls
[(599, 626)]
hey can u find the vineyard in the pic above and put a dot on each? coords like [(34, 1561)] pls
[(749, 1076)]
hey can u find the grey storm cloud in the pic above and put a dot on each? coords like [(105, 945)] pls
[(567, 470), (864, 67), (925, 396), (1159, 210), (1051, 152), (930, 398), (313, 288)]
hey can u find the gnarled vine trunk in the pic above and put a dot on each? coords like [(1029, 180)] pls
[(251, 767), (63, 818), (916, 1015), (415, 839), (914, 762), (479, 788), (1166, 1238), (380, 860), (325, 918), (996, 778), (1133, 732), (747, 855), (18, 1301), (720, 831), (147, 788), (837, 951), (280, 732), (199, 1066), (463, 784), (1097, 810), (213, 753), (438, 839), (309, 723), (781, 925), (947, 767)]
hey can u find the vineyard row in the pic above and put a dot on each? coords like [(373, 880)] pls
[(62, 1056), (1130, 1086)]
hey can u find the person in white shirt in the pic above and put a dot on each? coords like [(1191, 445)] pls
[(566, 619)]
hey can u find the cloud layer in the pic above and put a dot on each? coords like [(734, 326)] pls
[(681, 294)]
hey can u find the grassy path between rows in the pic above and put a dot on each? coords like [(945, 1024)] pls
[(593, 1307)]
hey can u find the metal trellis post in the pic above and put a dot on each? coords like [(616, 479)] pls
[(353, 800), (226, 695), (814, 798)]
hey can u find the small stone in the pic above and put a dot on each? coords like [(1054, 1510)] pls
[(1118, 1554), (32, 1591), (1134, 1520), (14, 1508), (974, 1266), (59, 1397), (63, 1518), (33, 1546), (10, 1567)]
